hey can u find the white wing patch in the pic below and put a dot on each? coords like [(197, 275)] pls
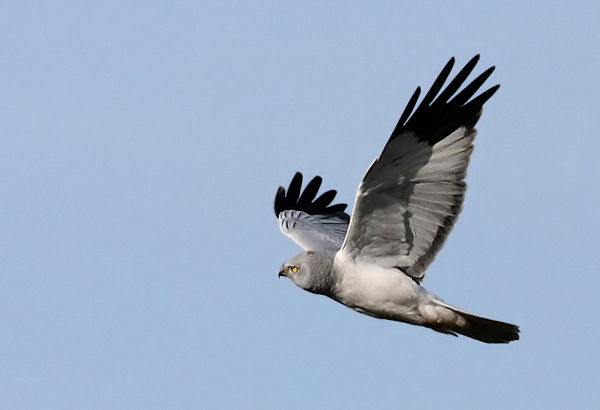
[(313, 232)]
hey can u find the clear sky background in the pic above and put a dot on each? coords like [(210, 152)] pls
[(141, 147)]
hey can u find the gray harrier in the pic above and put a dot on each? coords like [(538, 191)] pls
[(406, 204)]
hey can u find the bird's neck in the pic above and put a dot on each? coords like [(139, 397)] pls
[(324, 281)]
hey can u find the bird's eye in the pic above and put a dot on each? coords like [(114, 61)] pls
[(294, 269)]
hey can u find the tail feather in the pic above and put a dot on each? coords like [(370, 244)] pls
[(480, 328), (486, 330)]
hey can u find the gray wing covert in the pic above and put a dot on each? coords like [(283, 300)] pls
[(311, 222), (412, 194)]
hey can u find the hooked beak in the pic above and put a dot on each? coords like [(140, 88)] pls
[(281, 272)]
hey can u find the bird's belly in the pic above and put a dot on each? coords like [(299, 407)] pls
[(380, 292)]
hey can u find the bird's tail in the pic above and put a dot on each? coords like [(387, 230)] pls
[(476, 327)]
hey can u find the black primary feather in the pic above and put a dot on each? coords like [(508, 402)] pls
[(295, 199), (437, 117)]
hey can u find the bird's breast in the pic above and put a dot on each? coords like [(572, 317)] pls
[(377, 291)]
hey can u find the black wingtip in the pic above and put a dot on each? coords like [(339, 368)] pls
[(296, 199), (438, 115), (407, 110), (279, 198)]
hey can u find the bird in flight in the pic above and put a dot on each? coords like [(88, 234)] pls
[(375, 260)]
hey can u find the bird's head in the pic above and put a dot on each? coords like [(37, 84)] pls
[(309, 270)]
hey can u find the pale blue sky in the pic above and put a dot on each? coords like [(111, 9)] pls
[(142, 144)]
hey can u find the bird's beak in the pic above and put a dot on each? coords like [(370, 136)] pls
[(281, 272)]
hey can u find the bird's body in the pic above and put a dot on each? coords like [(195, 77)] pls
[(384, 293), (377, 291), (406, 205)]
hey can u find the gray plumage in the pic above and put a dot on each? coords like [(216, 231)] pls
[(406, 205)]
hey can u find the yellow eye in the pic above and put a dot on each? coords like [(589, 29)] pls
[(294, 269)]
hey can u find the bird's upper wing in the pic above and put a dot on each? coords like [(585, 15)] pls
[(411, 195), (314, 224)]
